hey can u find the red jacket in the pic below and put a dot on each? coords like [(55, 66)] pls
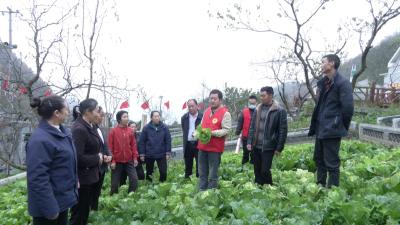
[(214, 122), (122, 144), (246, 122)]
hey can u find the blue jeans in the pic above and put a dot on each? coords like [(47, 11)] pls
[(208, 169)]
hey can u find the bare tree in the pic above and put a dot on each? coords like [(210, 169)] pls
[(297, 34), (94, 13), (41, 23), (381, 12)]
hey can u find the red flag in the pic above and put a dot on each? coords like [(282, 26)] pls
[(166, 104), (23, 90), (124, 105), (5, 85), (184, 106), (201, 105), (145, 105), (47, 93)]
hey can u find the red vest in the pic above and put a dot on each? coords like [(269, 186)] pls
[(213, 122), (246, 122)]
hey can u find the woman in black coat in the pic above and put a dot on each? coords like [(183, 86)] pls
[(88, 147)]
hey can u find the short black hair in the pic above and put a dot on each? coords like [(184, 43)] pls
[(253, 97), (192, 99), (87, 105), (218, 92), (333, 58), (132, 122), (120, 114), (267, 89), (48, 105), (152, 113)]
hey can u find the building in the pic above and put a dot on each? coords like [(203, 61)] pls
[(392, 77)]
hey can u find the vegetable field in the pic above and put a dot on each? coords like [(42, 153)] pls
[(369, 194)]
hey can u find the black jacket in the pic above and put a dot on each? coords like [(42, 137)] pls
[(332, 115), (185, 126), (275, 131), (104, 149), (88, 146)]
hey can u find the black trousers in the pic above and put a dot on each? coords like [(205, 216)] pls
[(129, 169), (262, 166), (191, 152), (80, 212), (162, 168), (326, 157), (247, 155), (139, 172), (97, 192), (61, 220)]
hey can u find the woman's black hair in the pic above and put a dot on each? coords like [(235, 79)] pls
[(48, 105), (120, 114), (75, 112), (87, 105)]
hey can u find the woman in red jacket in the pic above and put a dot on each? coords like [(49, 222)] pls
[(124, 150)]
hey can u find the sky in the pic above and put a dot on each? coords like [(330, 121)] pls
[(171, 47)]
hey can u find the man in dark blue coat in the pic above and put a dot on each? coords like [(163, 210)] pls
[(155, 146), (331, 120)]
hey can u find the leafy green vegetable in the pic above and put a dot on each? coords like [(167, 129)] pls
[(204, 134), (369, 193)]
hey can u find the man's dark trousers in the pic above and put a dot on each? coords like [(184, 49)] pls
[(191, 152), (326, 157), (262, 166)]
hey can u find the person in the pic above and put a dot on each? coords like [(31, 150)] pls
[(52, 178), (125, 155), (155, 146), (139, 168), (243, 127), (330, 120), (90, 158), (267, 135), (106, 158), (189, 122), (218, 119)]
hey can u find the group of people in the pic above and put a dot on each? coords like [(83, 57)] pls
[(66, 170)]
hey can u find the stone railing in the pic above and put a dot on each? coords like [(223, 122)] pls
[(379, 134), (390, 121), (12, 179)]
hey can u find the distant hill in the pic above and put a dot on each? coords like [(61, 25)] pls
[(377, 60)]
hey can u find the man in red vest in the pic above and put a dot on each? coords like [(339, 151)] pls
[(243, 127), (218, 119)]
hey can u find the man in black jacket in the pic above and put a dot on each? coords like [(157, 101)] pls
[(267, 135), (331, 119), (189, 122)]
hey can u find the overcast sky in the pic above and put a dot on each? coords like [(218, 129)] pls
[(171, 47)]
